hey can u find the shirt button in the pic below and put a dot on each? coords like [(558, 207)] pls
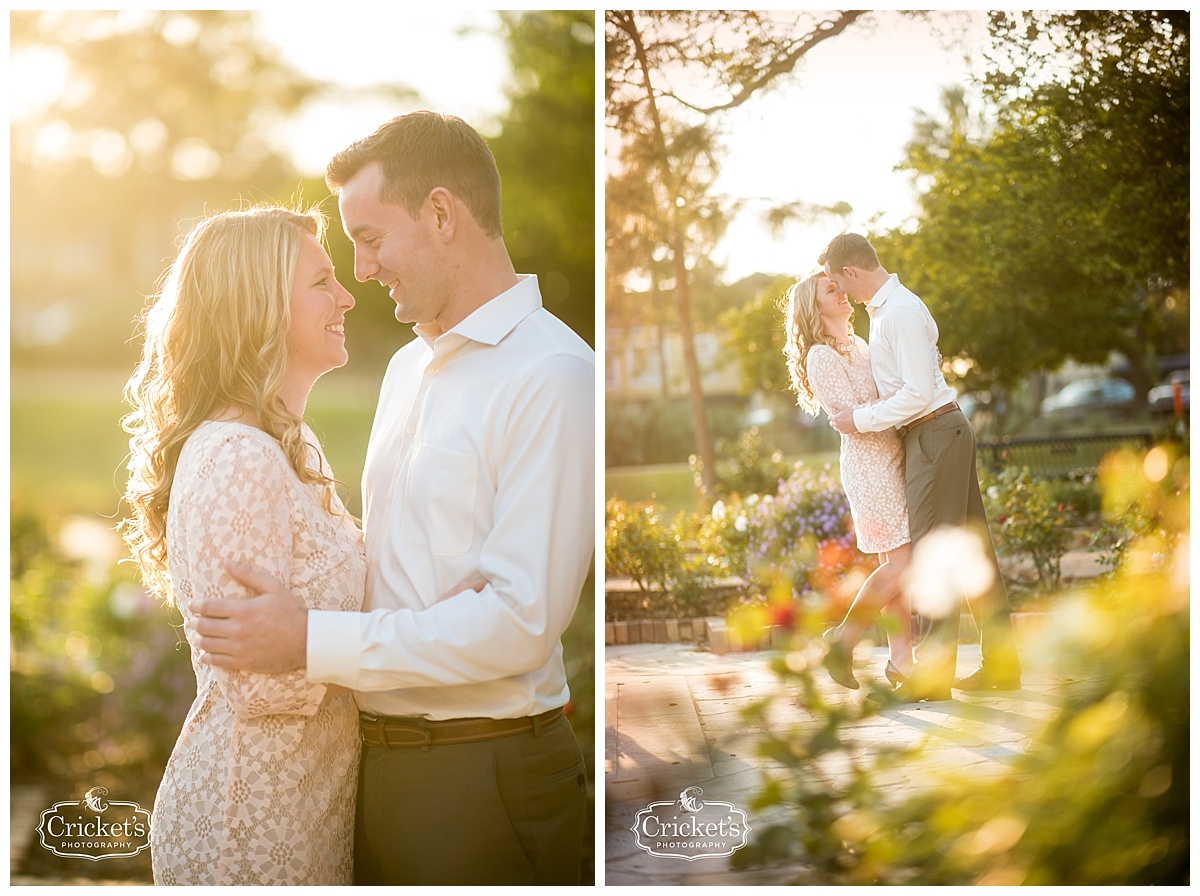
[(433, 370)]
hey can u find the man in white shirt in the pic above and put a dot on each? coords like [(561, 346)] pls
[(942, 485), (480, 465)]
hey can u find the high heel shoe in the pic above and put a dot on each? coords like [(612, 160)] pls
[(894, 675), (839, 660)]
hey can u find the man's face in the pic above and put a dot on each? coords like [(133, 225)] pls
[(393, 249), (844, 280)]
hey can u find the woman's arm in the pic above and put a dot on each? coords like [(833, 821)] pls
[(829, 381), (236, 507)]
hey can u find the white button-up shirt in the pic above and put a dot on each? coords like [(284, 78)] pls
[(481, 459), (904, 360)]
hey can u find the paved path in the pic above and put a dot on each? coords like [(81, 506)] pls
[(672, 717)]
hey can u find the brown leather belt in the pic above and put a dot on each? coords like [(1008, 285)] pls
[(944, 409), (392, 731)]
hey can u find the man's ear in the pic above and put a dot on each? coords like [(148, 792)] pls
[(442, 206)]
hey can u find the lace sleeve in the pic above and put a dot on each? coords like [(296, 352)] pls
[(237, 507), (829, 381)]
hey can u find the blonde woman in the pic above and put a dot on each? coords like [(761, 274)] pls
[(260, 788), (831, 370)]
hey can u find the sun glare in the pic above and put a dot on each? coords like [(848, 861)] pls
[(36, 78)]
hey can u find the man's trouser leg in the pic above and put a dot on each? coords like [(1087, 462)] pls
[(942, 488), (504, 811)]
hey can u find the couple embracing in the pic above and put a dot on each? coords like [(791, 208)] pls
[(907, 466), (383, 707)]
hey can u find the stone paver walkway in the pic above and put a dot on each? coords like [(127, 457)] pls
[(673, 721)]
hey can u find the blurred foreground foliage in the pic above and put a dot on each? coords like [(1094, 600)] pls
[(101, 680), (1102, 795)]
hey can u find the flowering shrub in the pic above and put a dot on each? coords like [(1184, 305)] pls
[(802, 534), (1027, 519), (795, 542)]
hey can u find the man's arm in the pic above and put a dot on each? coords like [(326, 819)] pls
[(266, 633)]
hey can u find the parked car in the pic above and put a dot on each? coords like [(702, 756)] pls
[(1085, 396), (1162, 396)]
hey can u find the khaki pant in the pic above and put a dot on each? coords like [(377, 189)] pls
[(942, 487), (503, 811)]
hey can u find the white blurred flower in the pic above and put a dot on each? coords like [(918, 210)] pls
[(948, 564), (993, 492), (718, 511), (741, 524)]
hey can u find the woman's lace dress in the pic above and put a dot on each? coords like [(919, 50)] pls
[(872, 462), (260, 787)]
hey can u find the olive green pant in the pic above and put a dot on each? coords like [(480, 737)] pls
[(942, 487), (503, 811)]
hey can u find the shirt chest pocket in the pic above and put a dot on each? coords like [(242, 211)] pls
[(439, 502)]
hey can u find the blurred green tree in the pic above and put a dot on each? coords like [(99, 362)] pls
[(1062, 226), (733, 55), (546, 155)]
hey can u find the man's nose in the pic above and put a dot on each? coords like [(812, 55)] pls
[(364, 266)]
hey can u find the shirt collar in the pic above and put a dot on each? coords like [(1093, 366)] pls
[(882, 294), (497, 317)]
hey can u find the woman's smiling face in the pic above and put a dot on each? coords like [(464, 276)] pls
[(833, 305)]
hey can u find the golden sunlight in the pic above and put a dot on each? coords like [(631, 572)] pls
[(36, 78)]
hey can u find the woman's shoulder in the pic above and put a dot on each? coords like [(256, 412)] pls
[(820, 351), (235, 448)]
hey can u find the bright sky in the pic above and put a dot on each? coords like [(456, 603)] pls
[(455, 59), (797, 143)]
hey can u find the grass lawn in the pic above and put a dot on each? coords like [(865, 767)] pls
[(68, 451)]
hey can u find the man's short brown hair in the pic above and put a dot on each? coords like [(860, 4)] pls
[(421, 151), (849, 250)]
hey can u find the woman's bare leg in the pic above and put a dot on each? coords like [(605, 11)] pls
[(898, 612), (882, 590)]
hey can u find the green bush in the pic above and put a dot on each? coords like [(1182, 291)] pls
[(1027, 519), (665, 561), (744, 466)]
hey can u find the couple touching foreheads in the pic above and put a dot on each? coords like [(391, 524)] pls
[(907, 466), (431, 647)]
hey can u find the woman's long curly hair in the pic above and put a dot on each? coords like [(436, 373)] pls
[(802, 318), (215, 339)]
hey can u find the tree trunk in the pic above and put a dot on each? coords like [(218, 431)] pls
[(683, 304), (704, 447)]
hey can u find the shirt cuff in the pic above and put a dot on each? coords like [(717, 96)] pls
[(333, 648), (862, 422)]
